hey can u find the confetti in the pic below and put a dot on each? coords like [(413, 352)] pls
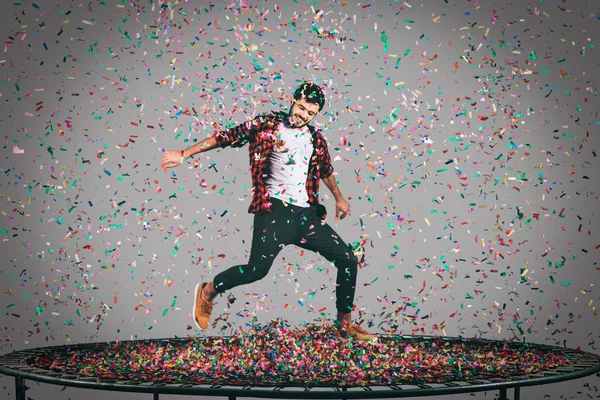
[(275, 354), (462, 134)]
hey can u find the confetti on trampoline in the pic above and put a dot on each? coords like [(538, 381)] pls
[(308, 355)]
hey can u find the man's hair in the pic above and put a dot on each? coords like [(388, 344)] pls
[(311, 93)]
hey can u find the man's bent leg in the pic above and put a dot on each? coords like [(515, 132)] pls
[(272, 232), (321, 238)]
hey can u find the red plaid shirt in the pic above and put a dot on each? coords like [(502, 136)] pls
[(261, 133)]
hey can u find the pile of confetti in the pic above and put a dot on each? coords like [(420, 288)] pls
[(310, 355)]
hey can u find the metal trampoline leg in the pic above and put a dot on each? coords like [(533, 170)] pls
[(517, 393), (155, 396), (20, 387), (344, 389), (231, 397), (503, 394)]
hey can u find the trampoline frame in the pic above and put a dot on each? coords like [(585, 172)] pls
[(14, 364)]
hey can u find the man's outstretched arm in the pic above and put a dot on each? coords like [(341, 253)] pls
[(172, 158), (205, 145), (237, 136)]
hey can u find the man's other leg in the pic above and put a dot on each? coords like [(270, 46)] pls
[(325, 241)]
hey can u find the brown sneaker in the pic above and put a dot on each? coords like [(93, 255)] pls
[(358, 332), (202, 308)]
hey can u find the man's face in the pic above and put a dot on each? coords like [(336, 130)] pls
[(302, 112)]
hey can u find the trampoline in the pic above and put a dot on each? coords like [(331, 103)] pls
[(310, 361)]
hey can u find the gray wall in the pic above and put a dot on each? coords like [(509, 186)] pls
[(463, 133)]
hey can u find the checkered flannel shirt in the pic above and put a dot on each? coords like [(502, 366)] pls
[(261, 134)]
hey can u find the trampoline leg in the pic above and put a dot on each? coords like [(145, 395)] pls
[(344, 389), (503, 394), (20, 387), (231, 397), (517, 393), (155, 396)]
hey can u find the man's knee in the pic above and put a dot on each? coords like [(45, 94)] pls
[(259, 271), (350, 263), (352, 259)]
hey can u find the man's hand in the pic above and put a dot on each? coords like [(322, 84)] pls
[(171, 158), (343, 207)]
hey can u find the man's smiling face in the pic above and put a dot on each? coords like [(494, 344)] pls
[(302, 112)]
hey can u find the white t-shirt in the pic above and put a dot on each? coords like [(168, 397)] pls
[(289, 165)]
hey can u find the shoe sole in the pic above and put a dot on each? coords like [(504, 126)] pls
[(194, 308)]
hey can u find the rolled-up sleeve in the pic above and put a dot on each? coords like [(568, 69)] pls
[(237, 136), (325, 167)]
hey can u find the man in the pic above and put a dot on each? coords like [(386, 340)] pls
[(288, 157)]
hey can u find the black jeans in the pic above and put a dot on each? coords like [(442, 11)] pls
[(288, 224)]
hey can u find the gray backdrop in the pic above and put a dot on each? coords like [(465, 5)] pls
[(463, 134)]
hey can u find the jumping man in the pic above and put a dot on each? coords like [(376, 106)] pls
[(288, 158)]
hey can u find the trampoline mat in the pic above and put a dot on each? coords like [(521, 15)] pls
[(310, 355)]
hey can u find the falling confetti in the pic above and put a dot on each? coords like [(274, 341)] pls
[(463, 135)]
